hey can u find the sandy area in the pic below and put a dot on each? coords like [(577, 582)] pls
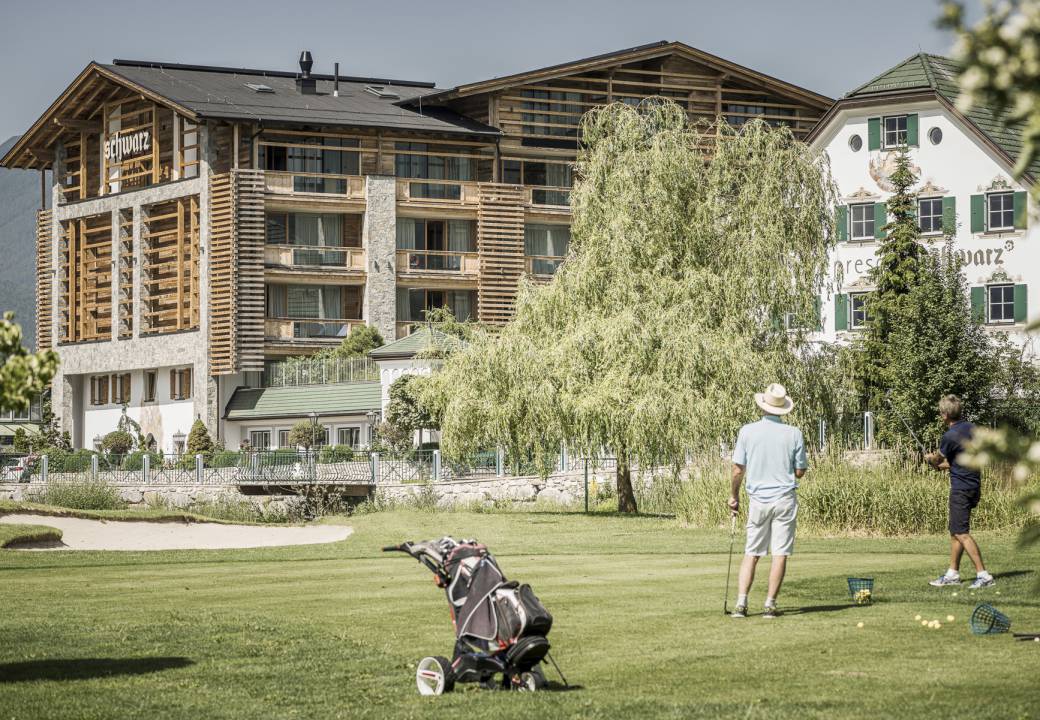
[(81, 534)]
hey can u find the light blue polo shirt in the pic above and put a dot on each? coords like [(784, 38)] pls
[(770, 451)]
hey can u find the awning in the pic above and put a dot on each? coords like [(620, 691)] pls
[(301, 400)]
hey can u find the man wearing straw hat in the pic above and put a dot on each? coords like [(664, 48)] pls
[(770, 455)]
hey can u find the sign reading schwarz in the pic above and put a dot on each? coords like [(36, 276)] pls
[(124, 147)]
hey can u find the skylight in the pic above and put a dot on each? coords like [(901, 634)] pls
[(382, 91), (260, 87)]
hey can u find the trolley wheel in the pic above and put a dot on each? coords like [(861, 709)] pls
[(434, 676), (527, 682)]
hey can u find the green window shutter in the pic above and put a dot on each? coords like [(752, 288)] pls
[(978, 213), (841, 219), (978, 303), (911, 130), (880, 219), (841, 311), (949, 205), (874, 133), (1021, 211), (1021, 303)]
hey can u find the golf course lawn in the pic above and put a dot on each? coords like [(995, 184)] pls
[(326, 631)]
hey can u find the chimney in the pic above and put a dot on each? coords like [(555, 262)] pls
[(305, 83), (335, 80)]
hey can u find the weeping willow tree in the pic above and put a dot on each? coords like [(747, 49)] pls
[(690, 254)]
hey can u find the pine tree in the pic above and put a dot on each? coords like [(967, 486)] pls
[(199, 441)]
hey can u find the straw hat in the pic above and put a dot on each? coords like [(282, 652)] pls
[(774, 400)]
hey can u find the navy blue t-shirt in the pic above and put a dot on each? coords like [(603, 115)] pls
[(951, 446)]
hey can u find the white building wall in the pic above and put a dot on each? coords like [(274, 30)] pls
[(961, 165), (238, 431)]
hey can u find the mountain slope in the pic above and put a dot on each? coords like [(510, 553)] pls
[(19, 201)]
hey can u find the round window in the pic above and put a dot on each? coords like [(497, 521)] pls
[(935, 135), (855, 142)]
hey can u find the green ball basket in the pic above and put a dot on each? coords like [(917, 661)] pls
[(987, 620), (857, 585)]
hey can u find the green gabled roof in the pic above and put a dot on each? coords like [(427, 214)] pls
[(423, 339), (924, 71), (300, 400)]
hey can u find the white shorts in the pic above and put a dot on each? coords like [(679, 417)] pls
[(771, 526)]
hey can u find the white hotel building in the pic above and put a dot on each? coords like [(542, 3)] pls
[(964, 164)]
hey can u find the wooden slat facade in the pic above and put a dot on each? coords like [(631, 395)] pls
[(44, 267), (170, 293), (86, 279), (236, 271), (500, 244)]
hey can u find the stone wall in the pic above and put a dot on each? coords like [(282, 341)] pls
[(567, 488), (380, 241)]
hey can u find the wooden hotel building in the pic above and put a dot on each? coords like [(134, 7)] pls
[(205, 221)]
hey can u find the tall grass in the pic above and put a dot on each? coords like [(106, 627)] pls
[(79, 494), (890, 497)]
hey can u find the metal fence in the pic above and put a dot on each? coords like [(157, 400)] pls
[(319, 371)]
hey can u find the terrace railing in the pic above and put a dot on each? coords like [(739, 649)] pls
[(320, 371)]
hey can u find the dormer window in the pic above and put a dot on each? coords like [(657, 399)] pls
[(895, 131)]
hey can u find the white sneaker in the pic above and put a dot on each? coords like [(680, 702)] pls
[(983, 581), (944, 580)]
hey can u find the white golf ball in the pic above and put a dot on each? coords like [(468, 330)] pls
[(925, 623), (954, 595), (1036, 639), (859, 624), (917, 617), (937, 625), (949, 618)]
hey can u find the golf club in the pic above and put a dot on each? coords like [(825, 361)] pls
[(888, 399), (729, 566)]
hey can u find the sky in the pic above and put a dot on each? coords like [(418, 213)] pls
[(829, 46)]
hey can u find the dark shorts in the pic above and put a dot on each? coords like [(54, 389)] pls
[(962, 502)]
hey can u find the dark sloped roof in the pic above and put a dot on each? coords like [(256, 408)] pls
[(299, 401), (923, 72), (222, 93)]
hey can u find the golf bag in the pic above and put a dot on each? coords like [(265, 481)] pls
[(500, 626)]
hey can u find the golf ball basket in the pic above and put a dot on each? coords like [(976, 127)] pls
[(861, 590), (987, 620), (500, 626)]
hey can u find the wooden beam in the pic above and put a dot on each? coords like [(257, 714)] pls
[(70, 123)]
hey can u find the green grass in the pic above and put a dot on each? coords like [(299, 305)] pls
[(16, 534), (334, 631)]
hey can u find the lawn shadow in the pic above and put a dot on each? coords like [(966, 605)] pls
[(560, 687), (1011, 573), (86, 668), (818, 608)]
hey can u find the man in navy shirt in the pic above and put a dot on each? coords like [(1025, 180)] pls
[(965, 491)]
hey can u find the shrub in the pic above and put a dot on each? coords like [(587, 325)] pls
[(79, 495), (135, 460), (336, 454), (117, 442), (306, 434), (225, 459)]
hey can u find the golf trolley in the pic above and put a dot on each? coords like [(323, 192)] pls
[(500, 626)]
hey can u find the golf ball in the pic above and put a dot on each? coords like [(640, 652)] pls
[(954, 595), (1036, 639), (998, 592), (859, 624), (917, 618), (937, 625), (925, 623), (949, 618)]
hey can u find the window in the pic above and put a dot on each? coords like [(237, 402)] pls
[(413, 161), (895, 131), (151, 382), (311, 156), (1000, 308), (99, 390), (552, 113), (546, 246), (935, 135), (862, 221), (439, 242), (323, 439), (121, 389), (541, 174), (858, 310), (260, 439), (349, 436), (412, 303), (739, 113), (930, 215), (1000, 211), (180, 384), (283, 438), (855, 143)]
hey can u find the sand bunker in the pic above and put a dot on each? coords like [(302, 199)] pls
[(81, 534)]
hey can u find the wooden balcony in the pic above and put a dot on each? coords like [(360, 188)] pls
[(542, 267), (548, 198), (407, 327), (451, 193), (308, 331), (311, 258), (437, 263), (319, 185)]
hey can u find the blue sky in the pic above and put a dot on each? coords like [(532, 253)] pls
[(829, 46)]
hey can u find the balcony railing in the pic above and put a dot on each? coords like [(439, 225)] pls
[(438, 261), (299, 183), (304, 329), (543, 265), (455, 192), (315, 256), (557, 197), (407, 327)]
